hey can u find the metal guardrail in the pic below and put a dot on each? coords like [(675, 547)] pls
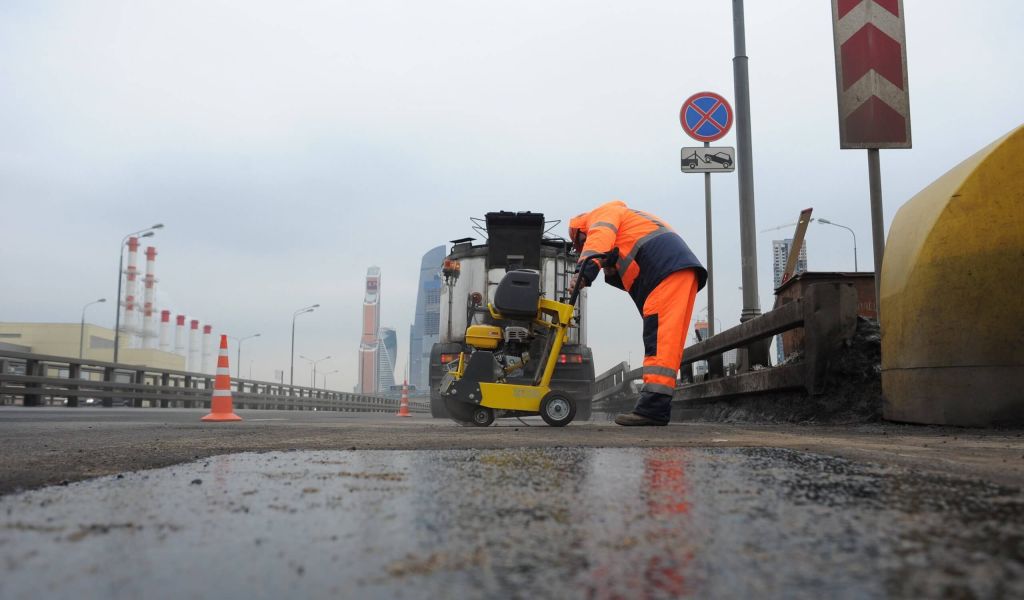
[(828, 315), (40, 380), (615, 383)]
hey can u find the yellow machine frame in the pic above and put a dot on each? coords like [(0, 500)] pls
[(553, 315)]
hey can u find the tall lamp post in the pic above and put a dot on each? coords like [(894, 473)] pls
[(827, 222), (238, 368), (81, 330), (291, 374), (314, 362), (147, 232), (325, 377)]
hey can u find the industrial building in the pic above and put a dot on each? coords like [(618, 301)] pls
[(426, 327), (96, 343), (143, 340)]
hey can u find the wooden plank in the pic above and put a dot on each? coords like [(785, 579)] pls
[(784, 318)]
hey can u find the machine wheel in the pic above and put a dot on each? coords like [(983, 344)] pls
[(483, 416), (557, 409)]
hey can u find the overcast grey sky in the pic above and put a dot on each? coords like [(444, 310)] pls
[(287, 146)]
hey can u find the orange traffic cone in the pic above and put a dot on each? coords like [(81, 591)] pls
[(221, 408), (403, 408)]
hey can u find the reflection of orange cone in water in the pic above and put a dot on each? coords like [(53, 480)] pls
[(403, 408), (220, 406)]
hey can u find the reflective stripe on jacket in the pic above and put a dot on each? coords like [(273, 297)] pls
[(642, 249)]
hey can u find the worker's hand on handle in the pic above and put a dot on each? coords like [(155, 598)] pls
[(586, 275)]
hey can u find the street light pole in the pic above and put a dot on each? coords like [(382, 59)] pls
[(325, 377), (81, 330), (314, 362), (854, 234), (238, 368), (745, 167), (291, 374), (147, 232)]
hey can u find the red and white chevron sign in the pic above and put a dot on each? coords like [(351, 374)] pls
[(871, 73)]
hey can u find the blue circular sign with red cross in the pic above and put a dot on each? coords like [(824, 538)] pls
[(706, 117)]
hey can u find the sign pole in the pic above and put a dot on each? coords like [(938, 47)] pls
[(877, 225), (711, 261)]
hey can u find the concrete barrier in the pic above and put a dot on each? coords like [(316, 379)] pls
[(952, 295)]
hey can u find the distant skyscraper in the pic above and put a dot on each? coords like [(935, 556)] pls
[(700, 331), (387, 353), (426, 327), (780, 256), (370, 343)]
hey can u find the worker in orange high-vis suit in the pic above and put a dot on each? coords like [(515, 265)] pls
[(642, 255)]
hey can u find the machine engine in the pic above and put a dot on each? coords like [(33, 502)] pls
[(511, 338)]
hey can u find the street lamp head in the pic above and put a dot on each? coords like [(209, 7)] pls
[(256, 335), (315, 306), (825, 221), (102, 300), (147, 234), (158, 226)]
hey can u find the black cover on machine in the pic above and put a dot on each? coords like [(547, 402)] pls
[(514, 239), (518, 293)]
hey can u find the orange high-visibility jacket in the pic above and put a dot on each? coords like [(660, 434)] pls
[(640, 249)]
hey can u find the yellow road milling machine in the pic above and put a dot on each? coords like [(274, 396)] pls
[(487, 381)]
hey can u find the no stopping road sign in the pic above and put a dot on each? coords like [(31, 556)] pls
[(706, 117)]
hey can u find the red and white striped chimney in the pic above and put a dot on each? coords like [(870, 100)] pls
[(165, 331), (128, 324), (179, 337), (208, 365), (148, 329), (194, 354)]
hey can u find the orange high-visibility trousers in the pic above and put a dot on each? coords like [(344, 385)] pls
[(667, 314)]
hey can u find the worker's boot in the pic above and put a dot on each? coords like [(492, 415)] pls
[(633, 420), (651, 409)]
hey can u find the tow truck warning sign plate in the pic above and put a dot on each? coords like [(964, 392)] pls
[(720, 159)]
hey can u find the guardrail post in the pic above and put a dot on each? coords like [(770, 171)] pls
[(165, 381), (138, 380), (74, 372), (109, 376), (716, 366), (830, 318), (32, 370)]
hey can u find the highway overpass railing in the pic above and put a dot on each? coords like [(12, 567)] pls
[(827, 313), (41, 380)]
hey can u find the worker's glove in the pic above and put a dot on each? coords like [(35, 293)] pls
[(588, 271), (585, 275)]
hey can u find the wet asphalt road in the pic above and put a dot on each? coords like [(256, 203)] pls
[(558, 522)]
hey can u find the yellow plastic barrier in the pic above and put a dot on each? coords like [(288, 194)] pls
[(953, 295)]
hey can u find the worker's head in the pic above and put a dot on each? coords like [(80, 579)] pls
[(578, 227)]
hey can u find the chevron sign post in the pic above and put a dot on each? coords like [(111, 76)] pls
[(874, 98), (871, 73)]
